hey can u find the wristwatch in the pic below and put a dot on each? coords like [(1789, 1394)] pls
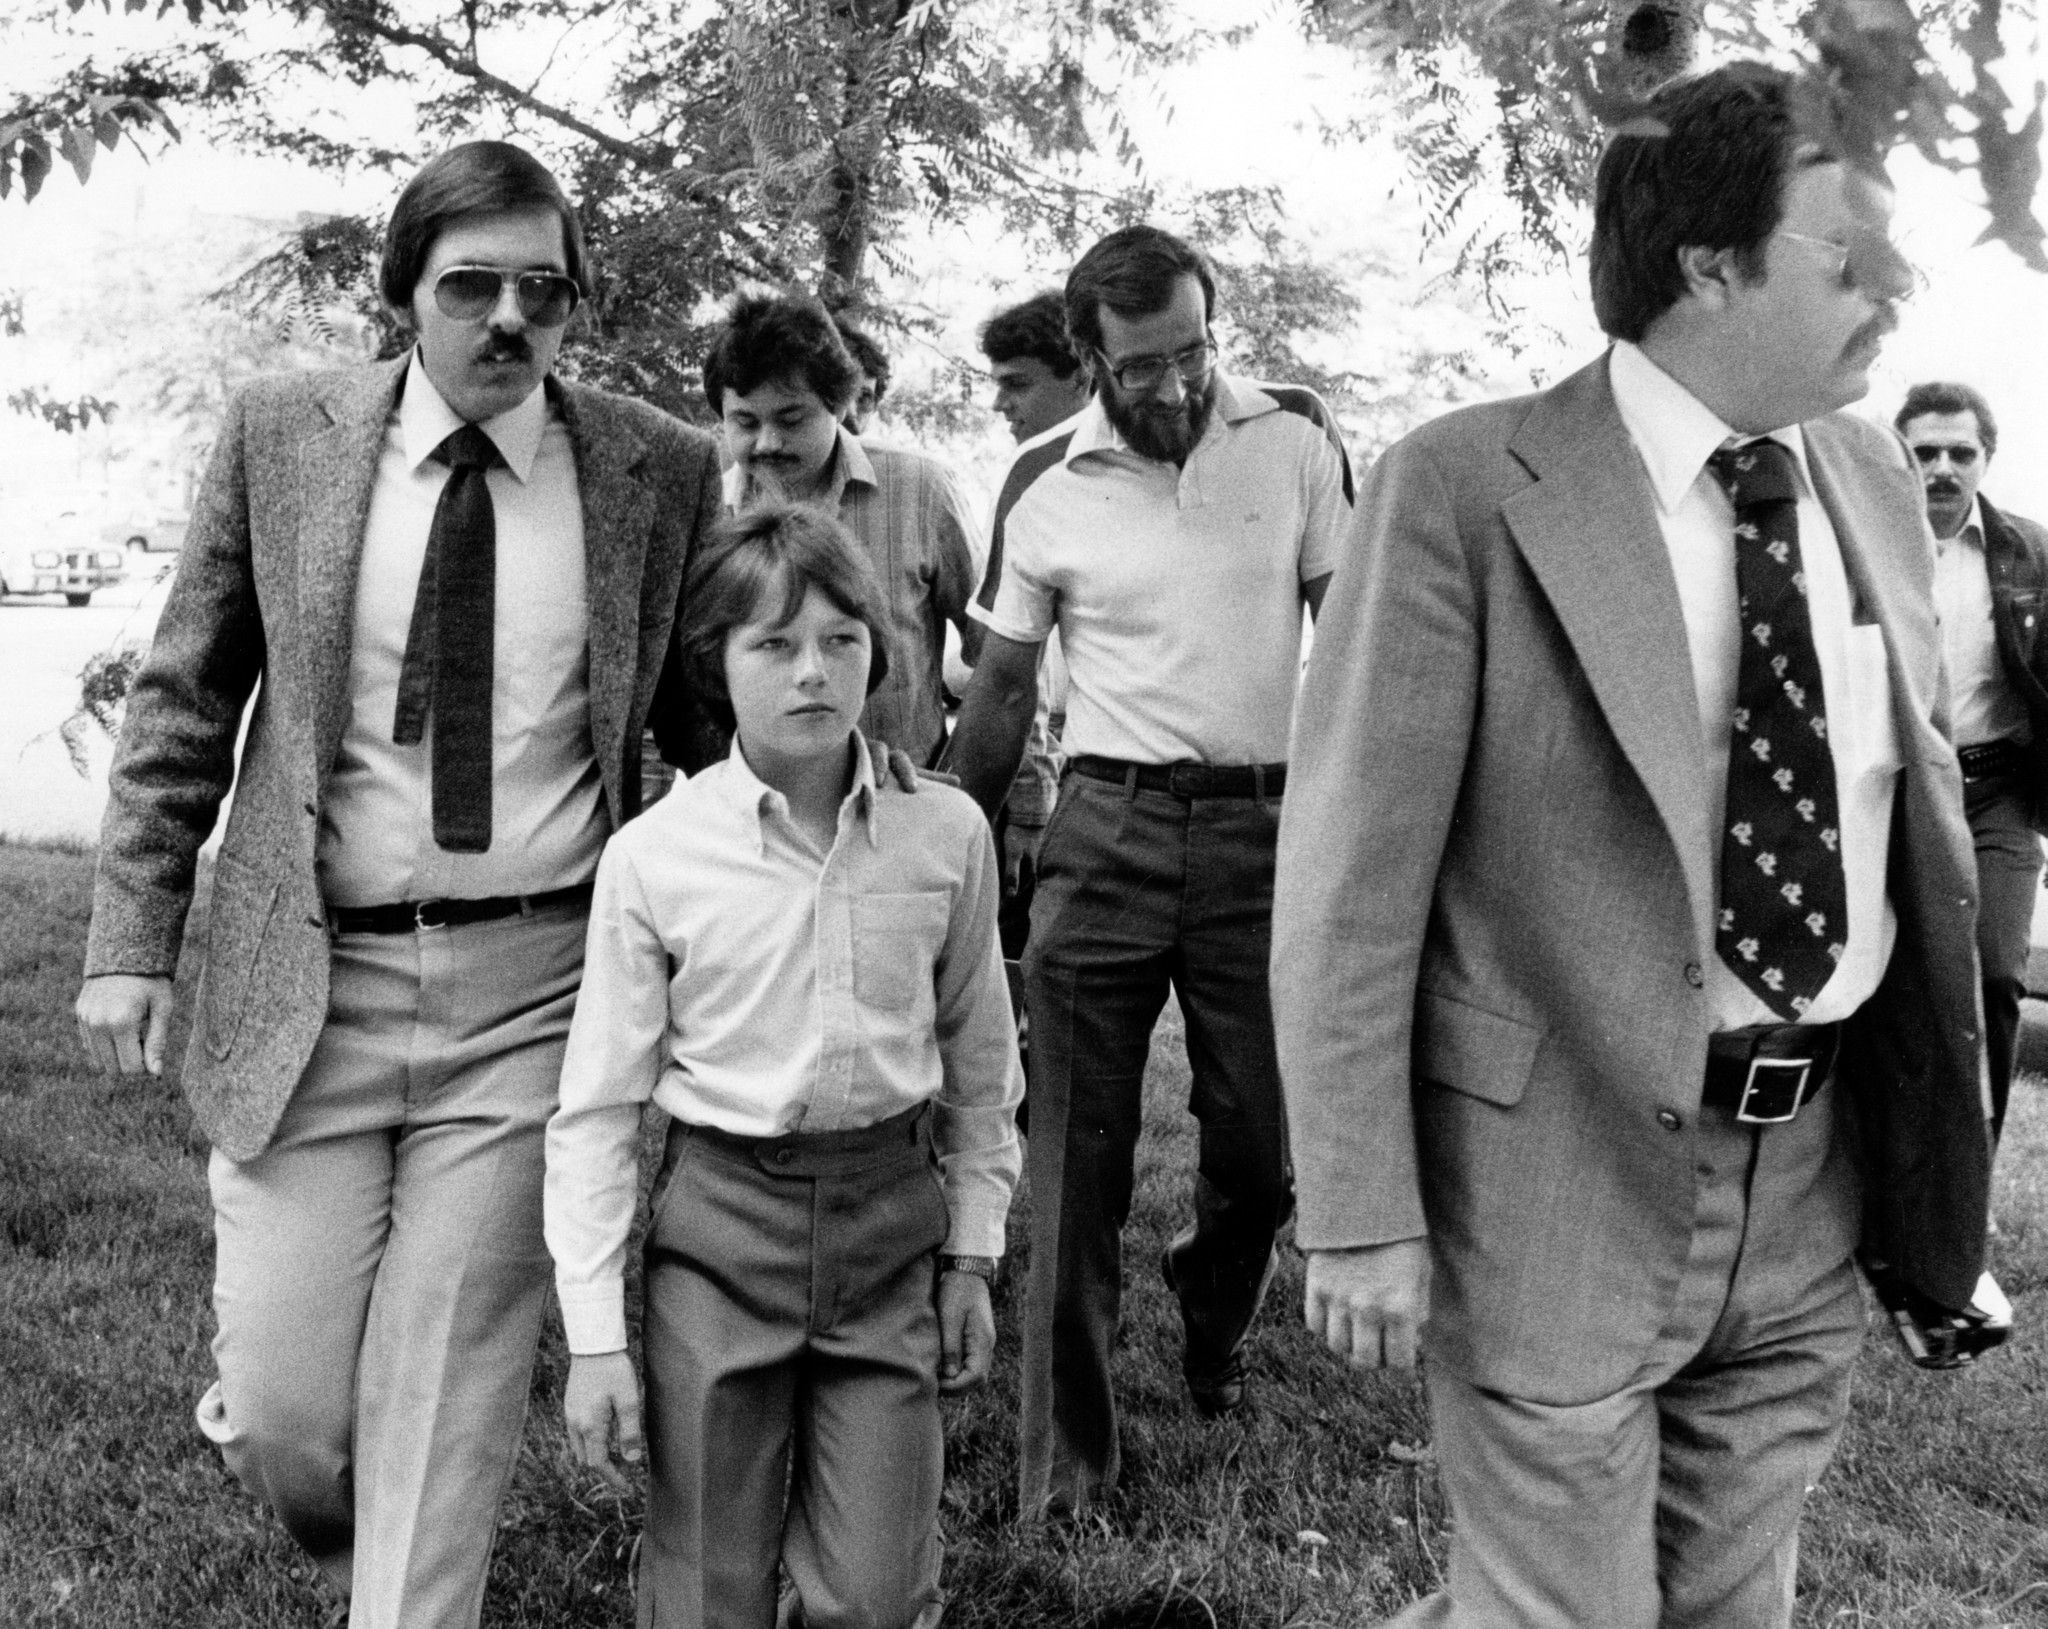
[(981, 1267)]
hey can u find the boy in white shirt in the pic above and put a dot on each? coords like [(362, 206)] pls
[(801, 966)]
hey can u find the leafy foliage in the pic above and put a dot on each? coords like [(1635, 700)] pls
[(74, 414), (103, 686)]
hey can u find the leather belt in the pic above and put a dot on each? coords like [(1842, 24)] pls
[(1769, 1072), (421, 915), (1989, 760), (1187, 780)]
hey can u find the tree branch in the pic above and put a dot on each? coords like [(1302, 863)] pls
[(657, 156)]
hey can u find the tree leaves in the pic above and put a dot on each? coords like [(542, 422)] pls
[(73, 127)]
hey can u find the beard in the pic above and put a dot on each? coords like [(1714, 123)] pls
[(1167, 434)]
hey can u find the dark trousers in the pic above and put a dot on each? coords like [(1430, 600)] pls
[(1138, 892), (2008, 873), (792, 1352)]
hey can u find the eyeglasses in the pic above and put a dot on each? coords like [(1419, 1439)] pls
[(1143, 374), (1930, 453), (1869, 262), (468, 293)]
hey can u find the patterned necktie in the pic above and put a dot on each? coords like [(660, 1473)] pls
[(448, 648), (1784, 906)]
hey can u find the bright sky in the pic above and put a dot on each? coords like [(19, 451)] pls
[(1245, 119)]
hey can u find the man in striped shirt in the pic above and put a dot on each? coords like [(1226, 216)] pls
[(779, 377), (1172, 533)]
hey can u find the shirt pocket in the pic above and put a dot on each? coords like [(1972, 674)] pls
[(896, 944)]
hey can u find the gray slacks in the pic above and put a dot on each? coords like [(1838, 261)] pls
[(1674, 1503), (380, 1274), (791, 1340)]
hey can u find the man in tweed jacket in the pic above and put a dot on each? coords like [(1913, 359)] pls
[(394, 949)]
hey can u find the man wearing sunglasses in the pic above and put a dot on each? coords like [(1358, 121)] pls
[(1173, 532), (448, 581), (1990, 594), (1622, 959)]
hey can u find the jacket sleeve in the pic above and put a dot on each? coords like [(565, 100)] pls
[(176, 758), (684, 730), (1374, 774)]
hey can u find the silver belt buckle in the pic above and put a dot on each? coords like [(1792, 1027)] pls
[(1751, 1085), (422, 922)]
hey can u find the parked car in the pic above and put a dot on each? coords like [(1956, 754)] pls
[(60, 559), (143, 533)]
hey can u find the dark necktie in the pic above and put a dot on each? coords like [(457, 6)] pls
[(1784, 906), (448, 649)]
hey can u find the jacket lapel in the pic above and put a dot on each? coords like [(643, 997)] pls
[(618, 513), (336, 474), (1588, 530)]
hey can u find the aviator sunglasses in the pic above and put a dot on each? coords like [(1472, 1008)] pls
[(467, 293)]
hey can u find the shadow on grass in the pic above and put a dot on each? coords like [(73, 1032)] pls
[(1317, 1508)]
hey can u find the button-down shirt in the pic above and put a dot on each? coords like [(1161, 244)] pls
[(1982, 705), (915, 522), (548, 817), (1177, 591), (1675, 434), (742, 979)]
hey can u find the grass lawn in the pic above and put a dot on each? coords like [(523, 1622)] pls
[(1319, 1509)]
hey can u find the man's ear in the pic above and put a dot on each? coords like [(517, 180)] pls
[(1710, 274)]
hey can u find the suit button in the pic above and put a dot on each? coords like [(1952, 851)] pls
[(1695, 975), (316, 921), (784, 1155), (1668, 1120), (311, 810)]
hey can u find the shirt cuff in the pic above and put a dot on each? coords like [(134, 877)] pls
[(594, 1316), (977, 1231)]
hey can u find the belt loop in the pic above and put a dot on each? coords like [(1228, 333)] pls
[(1131, 782), (1259, 784)]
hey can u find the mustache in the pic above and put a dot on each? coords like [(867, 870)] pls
[(1943, 487), (506, 348)]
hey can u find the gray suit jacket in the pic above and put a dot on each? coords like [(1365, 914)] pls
[(263, 600), (1494, 897)]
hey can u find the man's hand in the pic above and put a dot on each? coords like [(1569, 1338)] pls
[(124, 1019), (602, 1391), (967, 1331), (1369, 1304), (892, 764), (1020, 843)]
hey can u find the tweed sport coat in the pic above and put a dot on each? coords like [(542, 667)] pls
[(1494, 899), (264, 601)]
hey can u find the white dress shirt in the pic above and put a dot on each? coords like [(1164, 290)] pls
[(1982, 704), (548, 816), (742, 979), (1675, 434)]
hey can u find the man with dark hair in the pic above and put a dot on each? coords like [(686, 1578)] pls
[(873, 384), (448, 582), (1621, 940), (1172, 534), (779, 378), (1990, 580), (1039, 380)]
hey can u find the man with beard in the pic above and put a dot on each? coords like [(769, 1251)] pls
[(1622, 951), (448, 581), (779, 377), (1990, 581), (1173, 535)]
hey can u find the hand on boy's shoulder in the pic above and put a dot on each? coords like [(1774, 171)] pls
[(894, 764)]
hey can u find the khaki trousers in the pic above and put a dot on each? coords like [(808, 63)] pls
[(380, 1274), (1674, 1503), (792, 1352)]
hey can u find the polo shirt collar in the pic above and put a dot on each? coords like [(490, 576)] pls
[(1674, 431), (425, 420), (1236, 400), (752, 799)]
